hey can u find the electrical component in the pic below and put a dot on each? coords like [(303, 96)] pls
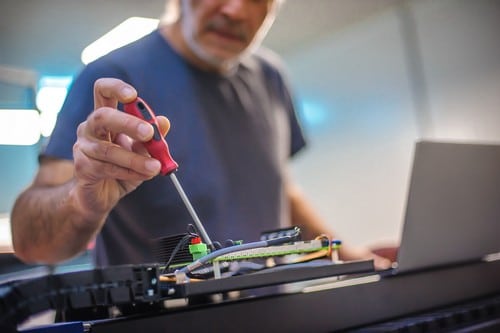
[(211, 256), (281, 250), (197, 248)]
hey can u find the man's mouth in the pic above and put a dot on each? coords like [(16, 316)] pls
[(226, 30), (229, 35)]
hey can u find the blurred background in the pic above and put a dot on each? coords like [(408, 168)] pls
[(371, 77)]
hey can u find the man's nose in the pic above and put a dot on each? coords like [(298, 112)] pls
[(236, 9)]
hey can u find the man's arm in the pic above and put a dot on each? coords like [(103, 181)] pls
[(68, 202), (48, 225), (304, 215)]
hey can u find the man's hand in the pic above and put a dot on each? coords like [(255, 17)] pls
[(382, 259), (109, 158), (66, 205)]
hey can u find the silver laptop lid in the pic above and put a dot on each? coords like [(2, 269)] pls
[(453, 206)]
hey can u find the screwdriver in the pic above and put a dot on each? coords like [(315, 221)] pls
[(158, 149)]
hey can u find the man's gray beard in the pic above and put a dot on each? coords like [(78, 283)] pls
[(187, 28), (227, 65)]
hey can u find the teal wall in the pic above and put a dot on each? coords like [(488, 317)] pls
[(18, 165)]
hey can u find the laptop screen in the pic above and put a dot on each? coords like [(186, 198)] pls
[(453, 205)]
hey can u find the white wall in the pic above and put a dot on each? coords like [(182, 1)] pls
[(380, 92), (461, 48)]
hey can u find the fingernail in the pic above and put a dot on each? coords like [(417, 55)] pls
[(145, 131), (127, 92), (153, 165)]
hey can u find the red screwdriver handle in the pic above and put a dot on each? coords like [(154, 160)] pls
[(157, 146)]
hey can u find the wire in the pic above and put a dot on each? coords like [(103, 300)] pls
[(179, 245), (326, 238), (203, 260)]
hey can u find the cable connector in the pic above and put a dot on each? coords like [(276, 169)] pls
[(197, 248)]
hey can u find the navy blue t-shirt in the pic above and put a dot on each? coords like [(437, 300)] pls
[(231, 136)]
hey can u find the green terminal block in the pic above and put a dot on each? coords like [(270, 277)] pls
[(198, 250)]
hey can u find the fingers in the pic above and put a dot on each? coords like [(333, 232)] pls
[(381, 263), (363, 253), (105, 120), (112, 159), (109, 91), (105, 160), (164, 124), (108, 141)]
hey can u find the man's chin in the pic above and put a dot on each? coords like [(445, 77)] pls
[(218, 57), (221, 61), (223, 55)]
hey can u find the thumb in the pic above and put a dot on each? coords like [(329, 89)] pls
[(109, 91), (164, 124)]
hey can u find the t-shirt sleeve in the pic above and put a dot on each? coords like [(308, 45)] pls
[(297, 140), (278, 72)]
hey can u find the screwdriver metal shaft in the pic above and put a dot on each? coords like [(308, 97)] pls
[(158, 148), (191, 211)]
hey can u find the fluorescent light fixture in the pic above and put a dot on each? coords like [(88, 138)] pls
[(5, 235), (126, 32), (47, 123), (49, 100), (20, 127)]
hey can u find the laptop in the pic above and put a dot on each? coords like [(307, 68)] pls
[(453, 206)]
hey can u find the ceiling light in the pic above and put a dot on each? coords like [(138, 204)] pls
[(126, 32), (19, 127), (5, 235), (49, 100)]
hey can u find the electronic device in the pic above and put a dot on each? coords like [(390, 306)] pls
[(453, 205), (145, 288), (278, 257)]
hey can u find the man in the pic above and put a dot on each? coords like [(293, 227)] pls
[(233, 130)]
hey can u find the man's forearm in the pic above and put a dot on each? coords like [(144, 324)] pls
[(303, 214), (47, 226)]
